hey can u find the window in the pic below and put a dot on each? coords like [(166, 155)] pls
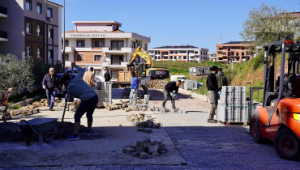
[(49, 13), (237, 54), (67, 57), (182, 51), (196, 52), (184, 57), (171, 57), (39, 8), (98, 43), (28, 28), (50, 33), (97, 57), (66, 43), (50, 53), (39, 30), (116, 45), (38, 53), (114, 74), (80, 57), (29, 51), (97, 72), (28, 5), (80, 43)]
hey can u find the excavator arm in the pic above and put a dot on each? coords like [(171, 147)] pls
[(142, 53)]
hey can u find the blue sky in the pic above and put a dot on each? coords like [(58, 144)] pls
[(173, 22)]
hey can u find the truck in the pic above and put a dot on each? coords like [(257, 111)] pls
[(142, 69)]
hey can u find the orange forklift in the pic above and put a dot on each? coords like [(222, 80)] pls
[(278, 118)]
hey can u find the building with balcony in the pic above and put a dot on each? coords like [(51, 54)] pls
[(101, 45), (234, 51), (31, 28), (184, 53)]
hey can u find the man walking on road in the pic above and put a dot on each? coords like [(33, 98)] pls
[(89, 77), (169, 92), (222, 80), (89, 100), (212, 87), (50, 84), (134, 88)]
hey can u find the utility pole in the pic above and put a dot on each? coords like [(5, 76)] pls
[(64, 39)]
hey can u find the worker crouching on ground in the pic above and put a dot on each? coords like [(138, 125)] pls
[(171, 90), (212, 87), (80, 89), (134, 88)]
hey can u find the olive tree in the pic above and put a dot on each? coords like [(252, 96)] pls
[(15, 73), (269, 23)]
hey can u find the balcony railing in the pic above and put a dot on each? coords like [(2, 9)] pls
[(3, 34), (3, 10)]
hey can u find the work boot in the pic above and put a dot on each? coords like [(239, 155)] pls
[(51, 109), (211, 121)]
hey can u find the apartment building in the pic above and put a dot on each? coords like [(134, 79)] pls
[(179, 53), (234, 51), (212, 56), (101, 45), (31, 28)]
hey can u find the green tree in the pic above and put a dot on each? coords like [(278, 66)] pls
[(269, 23), (15, 73)]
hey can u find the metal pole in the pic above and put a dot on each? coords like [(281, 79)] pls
[(64, 39)]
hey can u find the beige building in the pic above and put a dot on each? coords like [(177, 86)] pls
[(233, 51), (31, 28)]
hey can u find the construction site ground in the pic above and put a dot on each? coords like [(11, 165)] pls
[(192, 143)]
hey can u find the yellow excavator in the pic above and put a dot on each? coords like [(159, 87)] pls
[(146, 69)]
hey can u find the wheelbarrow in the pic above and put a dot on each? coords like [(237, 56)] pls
[(43, 127)]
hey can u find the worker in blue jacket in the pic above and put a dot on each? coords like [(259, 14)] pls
[(134, 88)]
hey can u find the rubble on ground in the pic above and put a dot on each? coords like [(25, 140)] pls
[(143, 122), (145, 149), (112, 106)]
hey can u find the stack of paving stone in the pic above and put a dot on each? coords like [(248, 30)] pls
[(104, 92), (157, 84), (232, 106), (145, 149)]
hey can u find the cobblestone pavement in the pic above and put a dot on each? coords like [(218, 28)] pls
[(193, 144)]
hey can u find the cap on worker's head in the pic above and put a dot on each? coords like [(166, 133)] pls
[(214, 68)]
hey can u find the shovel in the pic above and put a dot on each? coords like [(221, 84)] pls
[(67, 99)]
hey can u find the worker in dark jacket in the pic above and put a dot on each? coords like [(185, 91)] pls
[(171, 90), (212, 87), (50, 84), (222, 80)]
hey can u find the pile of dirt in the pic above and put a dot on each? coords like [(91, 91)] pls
[(145, 149)]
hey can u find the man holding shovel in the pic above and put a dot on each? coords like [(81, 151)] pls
[(89, 99)]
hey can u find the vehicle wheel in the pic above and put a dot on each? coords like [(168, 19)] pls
[(255, 128), (287, 144), (48, 137)]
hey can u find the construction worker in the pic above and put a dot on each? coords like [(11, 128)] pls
[(78, 88), (50, 84), (222, 81), (212, 87), (134, 88), (145, 84), (171, 90), (89, 77)]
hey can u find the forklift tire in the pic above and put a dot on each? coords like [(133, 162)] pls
[(48, 137), (255, 128), (287, 144)]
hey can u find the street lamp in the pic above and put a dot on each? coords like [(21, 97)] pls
[(64, 39)]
